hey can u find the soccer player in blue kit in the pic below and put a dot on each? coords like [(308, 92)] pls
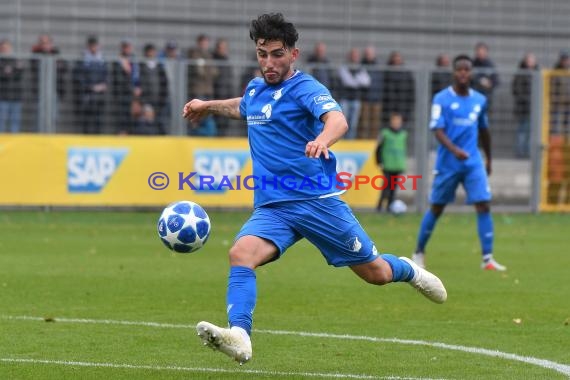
[(459, 121), (292, 121)]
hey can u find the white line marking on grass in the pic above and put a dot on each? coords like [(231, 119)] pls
[(562, 368), (202, 369)]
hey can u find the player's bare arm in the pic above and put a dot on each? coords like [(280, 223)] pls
[(335, 127), (459, 153), (196, 109), (485, 140)]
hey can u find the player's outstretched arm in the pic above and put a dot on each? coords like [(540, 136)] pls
[(335, 127), (196, 109)]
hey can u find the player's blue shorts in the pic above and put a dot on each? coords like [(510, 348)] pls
[(473, 179), (328, 223)]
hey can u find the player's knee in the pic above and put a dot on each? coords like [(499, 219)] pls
[(437, 210), (239, 256), (483, 207)]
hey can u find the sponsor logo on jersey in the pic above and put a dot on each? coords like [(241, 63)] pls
[(322, 98)]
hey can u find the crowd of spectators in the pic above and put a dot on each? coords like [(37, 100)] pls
[(138, 91)]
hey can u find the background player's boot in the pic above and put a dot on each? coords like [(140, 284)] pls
[(490, 264), (231, 342), (427, 283)]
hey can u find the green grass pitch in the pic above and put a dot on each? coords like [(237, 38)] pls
[(93, 295)]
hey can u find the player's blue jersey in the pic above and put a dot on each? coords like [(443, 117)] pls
[(281, 120), (460, 117)]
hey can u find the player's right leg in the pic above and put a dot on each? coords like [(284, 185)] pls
[(442, 192), (426, 229)]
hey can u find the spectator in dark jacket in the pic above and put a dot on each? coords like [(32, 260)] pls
[(371, 111), (154, 86), (320, 66), (560, 95), (353, 82), (441, 76), (485, 77), (90, 78), (399, 92), (125, 86), (11, 70), (223, 83), (521, 89)]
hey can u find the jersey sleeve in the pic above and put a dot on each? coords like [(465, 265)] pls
[(244, 100), (437, 120), (316, 98), (246, 97)]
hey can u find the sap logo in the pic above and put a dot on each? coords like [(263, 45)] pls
[(224, 166), (89, 169), (350, 162)]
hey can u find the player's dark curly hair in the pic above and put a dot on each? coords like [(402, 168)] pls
[(273, 27), (462, 57)]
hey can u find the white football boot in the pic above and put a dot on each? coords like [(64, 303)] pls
[(491, 264), (233, 342), (427, 283)]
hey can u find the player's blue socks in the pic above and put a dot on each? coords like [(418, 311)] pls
[(401, 270), (241, 297), (426, 228), (485, 230)]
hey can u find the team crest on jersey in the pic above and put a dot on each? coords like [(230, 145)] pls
[(354, 244), (277, 94), (454, 106)]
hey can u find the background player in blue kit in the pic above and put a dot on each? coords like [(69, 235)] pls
[(459, 121), (292, 121)]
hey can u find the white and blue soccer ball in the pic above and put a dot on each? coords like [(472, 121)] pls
[(398, 207), (184, 226)]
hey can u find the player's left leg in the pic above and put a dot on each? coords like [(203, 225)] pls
[(247, 253), (485, 230), (389, 268), (442, 192), (263, 238)]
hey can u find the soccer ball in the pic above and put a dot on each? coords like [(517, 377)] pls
[(184, 226), (398, 207)]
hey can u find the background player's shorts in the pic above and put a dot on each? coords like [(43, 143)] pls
[(328, 223), (474, 181)]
